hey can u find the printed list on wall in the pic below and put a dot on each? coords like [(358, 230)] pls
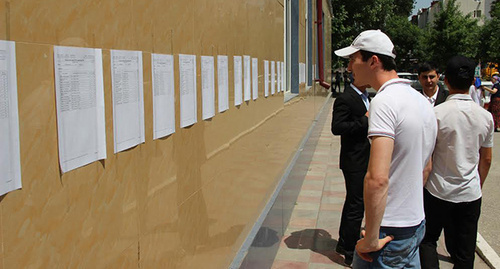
[(163, 95), (80, 106), (128, 99), (255, 78), (207, 87), (222, 82), (187, 78), (247, 78), (266, 78), (238, 77), (10, 158), (273, 77)]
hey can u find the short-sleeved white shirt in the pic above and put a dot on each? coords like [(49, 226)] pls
[(463, 128), (400, 112)]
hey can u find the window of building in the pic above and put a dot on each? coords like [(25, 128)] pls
[(477, 13)]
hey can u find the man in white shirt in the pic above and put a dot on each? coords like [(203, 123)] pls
[(460, 164), (402, 129), (428, 77)]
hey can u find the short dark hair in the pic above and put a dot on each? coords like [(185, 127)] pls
[(460, 72), (426, 67), (388, 63)]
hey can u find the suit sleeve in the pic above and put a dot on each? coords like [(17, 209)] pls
[(344, 123)]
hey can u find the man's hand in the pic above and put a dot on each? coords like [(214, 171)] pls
[(364, 246)]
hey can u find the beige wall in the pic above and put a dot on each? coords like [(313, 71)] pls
[(163, 203)]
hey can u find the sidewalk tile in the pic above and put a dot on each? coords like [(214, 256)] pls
[(309, 199), (289, 265), (302, 222)]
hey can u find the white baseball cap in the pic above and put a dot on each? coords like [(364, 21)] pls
[(370, 40)]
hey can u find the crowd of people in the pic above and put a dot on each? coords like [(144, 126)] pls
[(413, 162)]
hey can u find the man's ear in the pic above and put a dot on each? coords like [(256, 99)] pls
[(375, 61)]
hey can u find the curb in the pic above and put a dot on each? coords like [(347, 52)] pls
[(484, 250)]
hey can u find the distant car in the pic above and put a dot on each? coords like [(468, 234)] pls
[(441, 83), (410, 76), (413, 78)]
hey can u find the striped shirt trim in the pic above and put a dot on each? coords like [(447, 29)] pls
[(390, 135), (394, 81)]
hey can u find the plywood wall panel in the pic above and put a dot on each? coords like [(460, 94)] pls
[(175, 202), (4, 20)]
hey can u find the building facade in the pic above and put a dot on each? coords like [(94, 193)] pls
[(164, 202), (479, 9)]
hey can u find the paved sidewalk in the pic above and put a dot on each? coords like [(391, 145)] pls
[(317, 185)]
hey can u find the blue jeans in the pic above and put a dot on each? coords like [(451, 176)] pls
[(401, 252)]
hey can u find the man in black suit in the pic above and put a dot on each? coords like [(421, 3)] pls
[(350, 121), (428, 78)]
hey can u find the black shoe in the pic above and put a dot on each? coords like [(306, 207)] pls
[(496, 130), (348, 259), (348, 256)]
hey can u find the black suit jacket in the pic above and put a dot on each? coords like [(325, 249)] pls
[(441, 97), (349, 121)]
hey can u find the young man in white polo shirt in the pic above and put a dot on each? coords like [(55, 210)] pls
[(402, 129), (460, 164)]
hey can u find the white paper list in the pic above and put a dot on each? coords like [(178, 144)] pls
[(278, 69), (266, 78), (283, 76), (80, 106), (10, 157), (128, 99), (222, 82), (273, 79), (207, 87), (187, 75), (255, 78), (247, 78), (237, 80), (163, 95)]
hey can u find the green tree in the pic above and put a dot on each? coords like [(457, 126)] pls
[(352, 17), (450, 34), (403, 7), (489, 41), (406, 37)]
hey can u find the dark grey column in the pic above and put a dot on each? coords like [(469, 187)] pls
[(294, 50), (310, 20)]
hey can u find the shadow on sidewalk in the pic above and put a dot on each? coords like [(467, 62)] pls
[(317, 240)]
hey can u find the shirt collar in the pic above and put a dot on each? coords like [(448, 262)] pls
[(394, 81), (432, 98), (358, 91), (459, 96)]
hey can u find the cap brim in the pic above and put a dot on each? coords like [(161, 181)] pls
[(346, 52)]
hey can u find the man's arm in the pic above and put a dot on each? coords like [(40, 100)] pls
[(485, 157), (376, 187), (427, 170), (342, 122)]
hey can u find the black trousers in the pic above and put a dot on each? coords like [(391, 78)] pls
[(352, 213), (459, 221)]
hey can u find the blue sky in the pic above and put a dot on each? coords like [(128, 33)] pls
[(420, 4)]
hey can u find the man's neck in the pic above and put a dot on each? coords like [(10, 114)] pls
[(360, 88), (455, 91), (431, 92), (382, 77)]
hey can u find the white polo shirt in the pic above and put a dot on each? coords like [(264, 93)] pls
[(463, 128), (400, 112)]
